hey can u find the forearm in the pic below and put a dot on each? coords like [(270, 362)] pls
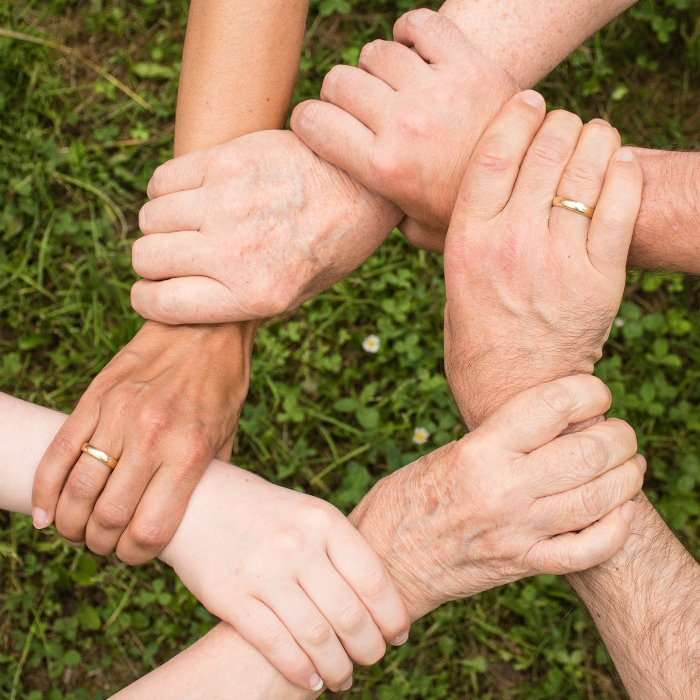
[(530, 39), (239, 65), (645, 602), (667, 232), (216, 666)]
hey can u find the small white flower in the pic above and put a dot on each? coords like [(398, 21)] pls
[(420, 436), (371, 344), (619, 322)]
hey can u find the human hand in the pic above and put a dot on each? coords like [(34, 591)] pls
[(164, 406), (290, 573), (404, 122), (509, 499), (250, 229), (532, 289)]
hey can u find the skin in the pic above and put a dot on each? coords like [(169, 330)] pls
[(650, 627), (514, 470), (153, 407)]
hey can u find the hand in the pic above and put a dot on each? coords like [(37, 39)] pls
[(508, 500), (290, 573), (405, 122), (164, 406), (250, 229), (532, 289)]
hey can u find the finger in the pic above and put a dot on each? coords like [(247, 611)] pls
[(580, 507), (435, 38), (611, 229), (347, 616), (183, 173), (187, 300), (117, 503), (163, 255), (543, 166), (163, 503), (583, 550), (393, 64), (365, 573), (334, 135), (259, 626), (312, 630), (574, 459), (423, 236), (358, 93), (84, 485), (492, 171), (58, 460), (583, 179), (536, 416), (179, 211)]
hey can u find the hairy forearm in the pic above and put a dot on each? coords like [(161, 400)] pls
[(239, 65), (667, 232), (529, 39), (645, 602)]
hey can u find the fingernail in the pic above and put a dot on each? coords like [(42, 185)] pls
[(599, 121), (75, 544), (532, 98), (627, 511), (315, 682), (347, 685), (40, 518), (624, 154), (401, 639), (641, 461)]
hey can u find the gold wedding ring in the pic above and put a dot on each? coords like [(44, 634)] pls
[(573, 205), (99, 455)]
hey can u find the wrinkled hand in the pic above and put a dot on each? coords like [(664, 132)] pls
[(250, 229), (405, 122), (532, 289), (164, 406), (290, 573), (509, 499)]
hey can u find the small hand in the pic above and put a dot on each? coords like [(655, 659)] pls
[(532, 289), (511, 499), (290, 573), (250, 229), (164, 406), (405, 122)]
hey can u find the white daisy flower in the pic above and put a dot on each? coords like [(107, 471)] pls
[(420, 436), (371, 344), (619, 322)]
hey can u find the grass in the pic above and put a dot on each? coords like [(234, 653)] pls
[(87, 94)]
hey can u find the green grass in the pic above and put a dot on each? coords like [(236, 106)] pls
[(78, 146)]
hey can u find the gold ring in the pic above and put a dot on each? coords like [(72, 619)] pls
[(100, 455), (573, 205)]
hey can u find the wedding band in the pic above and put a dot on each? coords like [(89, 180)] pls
[(99, 454), (573, 205)]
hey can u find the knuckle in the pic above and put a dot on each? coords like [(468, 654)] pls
[(614, 216), (549, 151), (592, 454), (494, 156), (352, 618), (83, 485), (581, 174), (149, 535), (154, 419), (156, 184), (112, 515), (319, 633), (374, 583), (555, 398), (590, 501)]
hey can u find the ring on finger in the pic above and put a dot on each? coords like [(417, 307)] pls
[(99, 455), (573, 205)]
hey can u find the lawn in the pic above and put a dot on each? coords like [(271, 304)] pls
[(87, 98)]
